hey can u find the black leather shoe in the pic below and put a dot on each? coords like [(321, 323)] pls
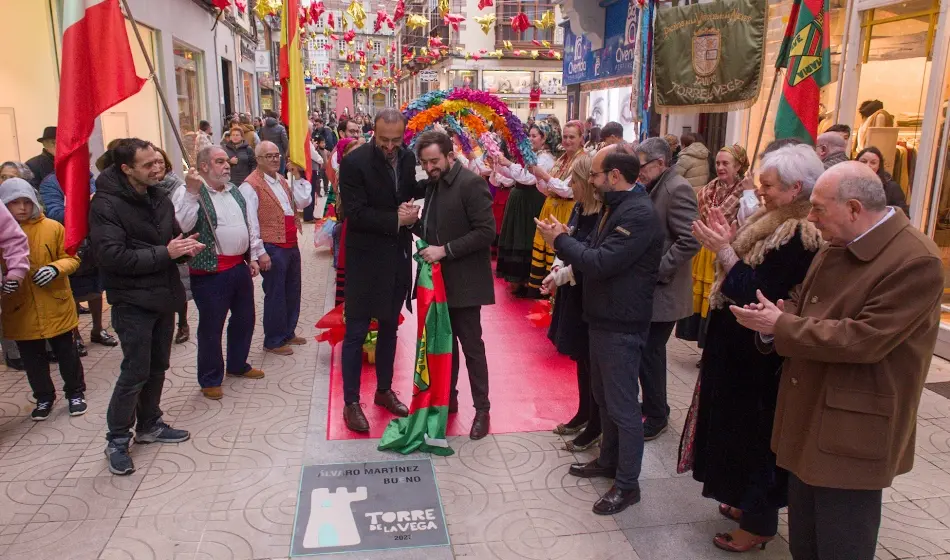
[(354, 418), (652, 429), (592, 470), (480, 425), (389, 401), (616, 500)]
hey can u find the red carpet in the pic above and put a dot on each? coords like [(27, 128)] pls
[(533, 388)]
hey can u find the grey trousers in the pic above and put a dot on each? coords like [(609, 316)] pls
[(831, 523), (614, 368)]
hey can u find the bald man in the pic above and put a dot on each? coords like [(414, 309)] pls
[(855, 363), (831, 147), (272, 207)]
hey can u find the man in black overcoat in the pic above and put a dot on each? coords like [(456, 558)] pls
[(378, 187)]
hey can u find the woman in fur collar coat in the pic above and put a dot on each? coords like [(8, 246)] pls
[(738, 385)]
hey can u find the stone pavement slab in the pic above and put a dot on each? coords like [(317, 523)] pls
[(231, 491)]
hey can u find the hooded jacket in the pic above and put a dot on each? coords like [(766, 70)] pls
[(246, 163), (129, 234), (273, 131), (693, 165), (33, 312)]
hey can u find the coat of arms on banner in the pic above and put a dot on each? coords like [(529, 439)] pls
[(707, 49)]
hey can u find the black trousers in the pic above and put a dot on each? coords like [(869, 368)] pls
[(467, 331), (352, 354), (33, 353), (146, 338), (831, 523), (587, 409), (653, 373)]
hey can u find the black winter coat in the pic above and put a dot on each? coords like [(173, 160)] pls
[(458, 216), (378, 269), (620, 263), (568, 330), (894, 193), (129, 233), (273, 131), (246, 163)]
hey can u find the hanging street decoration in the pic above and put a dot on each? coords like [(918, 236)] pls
[(266, 8), (416, 21), (400, 11), (546, 21), (443, 7), (382, 18), (520, 23), (485, 22), (316, 11), (482, 4), (453, 20), (358, 14)]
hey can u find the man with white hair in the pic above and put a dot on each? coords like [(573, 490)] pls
[(831, 148), (210, 206), (855, 363), (272, 210)]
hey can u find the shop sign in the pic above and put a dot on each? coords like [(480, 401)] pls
[(247, 51), (262, 61), (429, 75), (380, 505), (582, 64), (709, 57)]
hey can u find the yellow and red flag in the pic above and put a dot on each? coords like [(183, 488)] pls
[(293, 96)]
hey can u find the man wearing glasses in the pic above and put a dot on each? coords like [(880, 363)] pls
[(619, 263), (378, 186), (272, 212)]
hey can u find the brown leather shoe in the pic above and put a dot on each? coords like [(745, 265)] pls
[(297, 341), (252, 373), (213, 393), (389, 401), (480, 425), (354, 418), (281, 350)]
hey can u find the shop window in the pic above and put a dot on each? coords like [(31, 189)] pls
[(534, 10), (552, 83), (502, 82), (941, 190), (189, 88), (464, 78)]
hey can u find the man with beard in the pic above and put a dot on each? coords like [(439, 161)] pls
[(137, 242), (378, 186), (210, 206), (458, 224)]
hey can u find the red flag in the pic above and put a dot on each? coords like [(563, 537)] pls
[(97, 73), (293, 95)]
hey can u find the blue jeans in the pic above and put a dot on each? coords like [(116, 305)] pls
[(215, 295), (281, 295), (614, 365)]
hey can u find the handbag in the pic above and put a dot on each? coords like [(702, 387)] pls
[(687, 450)]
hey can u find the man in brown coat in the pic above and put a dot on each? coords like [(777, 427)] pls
[(459, 227), (857, 359)]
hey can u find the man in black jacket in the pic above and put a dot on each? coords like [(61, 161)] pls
[(619, 262), (378, 186), (459, 227), (136, 240), (42, 164)]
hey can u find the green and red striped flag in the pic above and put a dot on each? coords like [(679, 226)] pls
[(805, 54), (424, 428)]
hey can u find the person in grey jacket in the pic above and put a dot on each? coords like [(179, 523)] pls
[(619, 262), (675, 203), (273, 131)]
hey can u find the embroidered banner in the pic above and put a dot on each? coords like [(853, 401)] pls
[(709, 57)]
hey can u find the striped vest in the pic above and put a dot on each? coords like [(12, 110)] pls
[(270, 214), (207, 260)]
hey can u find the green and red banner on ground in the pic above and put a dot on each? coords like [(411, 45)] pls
[(805, 53), (424, 428)]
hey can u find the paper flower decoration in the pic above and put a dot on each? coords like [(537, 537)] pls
[(520, 23), (400, 11), (349, 36), (266, 8), (443, 7), (535, 54), (453, 20), (506, 45), (382, 18), (416, 21), (330, 24), (358, 14), (485, 22), (316, 11), (221, 4), (482, 4), (546, 21), (241, 5)]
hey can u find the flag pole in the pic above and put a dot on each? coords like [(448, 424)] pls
[(154, 77), (765, 115)]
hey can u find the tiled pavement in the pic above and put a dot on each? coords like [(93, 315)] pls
[(230, 492)]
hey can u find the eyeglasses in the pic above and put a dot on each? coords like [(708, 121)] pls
[(271, 157), (648, 162)]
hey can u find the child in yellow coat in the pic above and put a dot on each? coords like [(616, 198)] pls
[(42, 309)]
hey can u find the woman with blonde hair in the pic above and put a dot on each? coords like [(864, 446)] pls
[(560, 203), (568, 329)]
